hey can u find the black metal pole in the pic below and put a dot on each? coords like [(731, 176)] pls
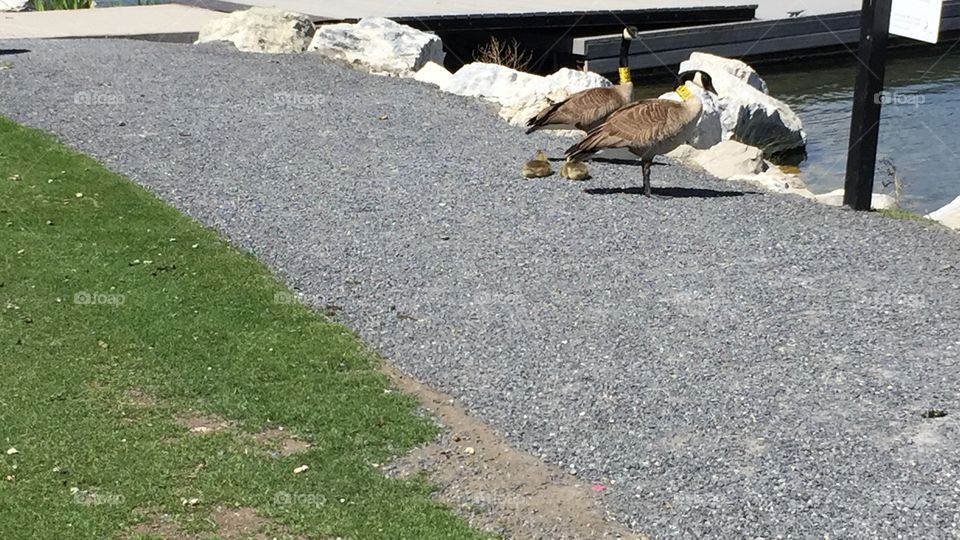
[(865, 121)]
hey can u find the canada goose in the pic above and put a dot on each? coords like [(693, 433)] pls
[(650, 127), (588, 108), (574, 170), (538, 167)]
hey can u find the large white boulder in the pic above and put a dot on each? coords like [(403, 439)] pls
[(528, 100), (263, 30), (949, 215), (712, 63), (520, 95), (380, 45), (748, 114), (433, 73), (725, 159), (879, 201), (490, 81), (14, 5), (732, 160)]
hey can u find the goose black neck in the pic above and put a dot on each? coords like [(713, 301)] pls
[(624, 61)]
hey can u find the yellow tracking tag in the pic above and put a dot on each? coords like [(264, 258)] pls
[(624, 75), (683, 92)]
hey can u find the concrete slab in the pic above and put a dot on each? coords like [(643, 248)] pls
[(168, 22)]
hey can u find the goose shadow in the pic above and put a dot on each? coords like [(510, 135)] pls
[(671, 192), (617, 161)]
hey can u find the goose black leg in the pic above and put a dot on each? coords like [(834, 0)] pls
[(646, 177)]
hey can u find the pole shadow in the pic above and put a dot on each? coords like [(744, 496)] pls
[(4, 52), (671, 192)]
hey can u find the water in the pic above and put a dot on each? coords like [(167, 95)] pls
[(919, 127)]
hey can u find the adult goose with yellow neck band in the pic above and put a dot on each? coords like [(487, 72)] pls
[(588, 108), (650, 127)]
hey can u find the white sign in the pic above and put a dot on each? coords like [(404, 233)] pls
[(917, 19)]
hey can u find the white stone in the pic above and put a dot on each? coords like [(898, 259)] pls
[(263, 30), (490, 81), (433, 73), (528, 99), (14, 5), (380, 45), (879, 201), (712, 63), (751, 116), (730, 158), (949, 215)]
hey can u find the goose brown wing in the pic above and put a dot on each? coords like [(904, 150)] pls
[(634, 126), (645, 123), (584, 108)]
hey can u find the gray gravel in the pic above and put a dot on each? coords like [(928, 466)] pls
[(734, 366)]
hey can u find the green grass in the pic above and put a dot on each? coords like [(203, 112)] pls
[(105, 291), (896, 213), (45, 5)]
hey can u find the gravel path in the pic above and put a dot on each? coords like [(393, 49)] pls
[(744, 365)]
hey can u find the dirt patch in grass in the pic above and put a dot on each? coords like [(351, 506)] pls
[(497, 487), (233, 523), (157, 525), (202, 424), (140, 399), (236, 523), (285, 444)]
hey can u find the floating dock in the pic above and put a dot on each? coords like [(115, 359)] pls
[(756, 42)]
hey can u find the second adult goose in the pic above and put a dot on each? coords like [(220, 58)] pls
[(650, 127), (588, 108)]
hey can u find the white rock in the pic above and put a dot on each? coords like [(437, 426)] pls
[(529, 99), (751, 116), (14, 5), (263, 30), (879, 201), (433, 73), (491, 81), (949, 215), (380, 45), (726, 159), (712, 63)]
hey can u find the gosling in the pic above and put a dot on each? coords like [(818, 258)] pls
[(538, 167), (574, 170)]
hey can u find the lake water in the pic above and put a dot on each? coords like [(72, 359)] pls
[(919, 127)]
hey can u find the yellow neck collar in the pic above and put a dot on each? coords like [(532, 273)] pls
[(625, 75), (684, 92)]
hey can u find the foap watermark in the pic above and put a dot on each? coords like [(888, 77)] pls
[(84, 298), (92, 498), (298, 100), (899, 98), (285, 498), (98, 98), (287, 297)]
